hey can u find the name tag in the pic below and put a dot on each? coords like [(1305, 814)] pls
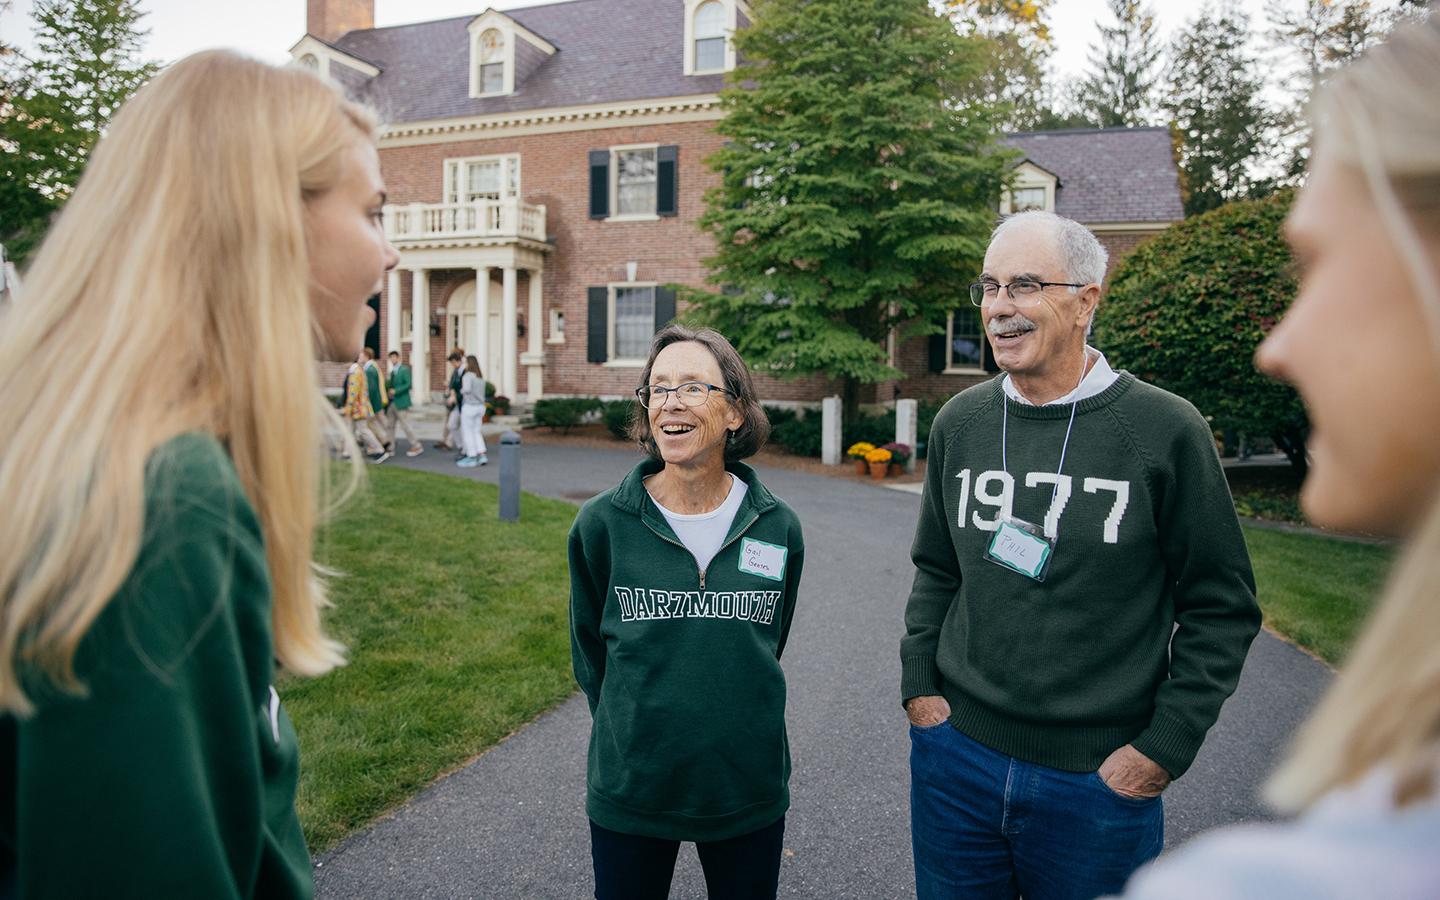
[(765, 560), (1020, 546)]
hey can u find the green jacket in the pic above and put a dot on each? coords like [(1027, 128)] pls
[(375, 382), (400, 387), (175, 776), (682, 667)]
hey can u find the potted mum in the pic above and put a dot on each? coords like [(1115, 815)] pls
[(899, 456), (879, 462), (857, 452)]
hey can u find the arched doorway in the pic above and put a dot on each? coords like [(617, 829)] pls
[(463, 328)]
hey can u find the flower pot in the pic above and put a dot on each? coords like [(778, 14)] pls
[(860, 466), (878, 470), (896, 469)]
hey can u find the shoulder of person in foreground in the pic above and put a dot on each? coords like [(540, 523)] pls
[(1352, 844), (1165, 416)]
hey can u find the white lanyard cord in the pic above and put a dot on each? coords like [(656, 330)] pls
[(1005, 430)]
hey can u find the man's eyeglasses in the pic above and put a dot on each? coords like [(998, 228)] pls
[(691, 393), (1023, 291)]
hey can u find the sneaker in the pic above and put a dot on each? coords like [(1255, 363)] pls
[(380, 457), (483, 459), (415, 450), (468, 462)]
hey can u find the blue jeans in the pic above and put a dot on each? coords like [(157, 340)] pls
[(634, 867), (985, 825)]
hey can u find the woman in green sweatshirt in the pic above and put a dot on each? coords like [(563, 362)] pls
[(683, 586), (157, 567)]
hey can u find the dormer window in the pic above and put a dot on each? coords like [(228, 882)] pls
[(310, 61), (708, 26), (492, 62), (710, 37)]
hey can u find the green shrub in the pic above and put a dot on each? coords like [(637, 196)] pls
[(565, 412), (617, 415), (1187, 309), (801, 435)]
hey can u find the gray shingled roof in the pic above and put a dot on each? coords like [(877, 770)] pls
[(1108, 174), (609, 51)]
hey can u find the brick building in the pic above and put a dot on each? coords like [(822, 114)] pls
[(546, 168)]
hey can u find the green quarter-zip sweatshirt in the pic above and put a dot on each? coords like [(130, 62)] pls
[(682, 666), (174, 774), (1140, 628)]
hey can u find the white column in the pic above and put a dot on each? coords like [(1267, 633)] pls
[(508, 348), (482, 324), (907, 422), (831, 430), (393, 335), (534, 359), (420, 335)]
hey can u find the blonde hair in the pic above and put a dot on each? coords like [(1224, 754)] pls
[(188, 228), (1379, 117)]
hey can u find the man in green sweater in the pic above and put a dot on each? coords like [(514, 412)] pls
[(1082, 603), (397, 414)]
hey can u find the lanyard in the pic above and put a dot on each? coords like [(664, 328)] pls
[(1005, 429)]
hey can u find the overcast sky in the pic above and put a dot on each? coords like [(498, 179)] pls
[(267, 28)]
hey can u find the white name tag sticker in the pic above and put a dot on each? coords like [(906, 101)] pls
[(765, 560), (1016, 548)]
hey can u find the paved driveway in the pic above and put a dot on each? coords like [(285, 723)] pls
[(512, 824)]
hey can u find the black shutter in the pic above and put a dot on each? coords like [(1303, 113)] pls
[(599, 184), (596, 328), (667, 181), (939, 353), (664, 307)]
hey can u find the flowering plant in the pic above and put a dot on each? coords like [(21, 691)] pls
[(859, 450), (900, 451), (878, 455)]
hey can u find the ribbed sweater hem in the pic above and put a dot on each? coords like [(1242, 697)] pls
[(678, 826), (1069, 748)]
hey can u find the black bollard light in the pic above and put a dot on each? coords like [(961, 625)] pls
[(510, 476)]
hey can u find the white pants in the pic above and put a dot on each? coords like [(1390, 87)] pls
[(452, 427), (470, 433), (397, 419)]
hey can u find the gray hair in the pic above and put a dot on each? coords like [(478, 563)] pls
[(1081, 251)]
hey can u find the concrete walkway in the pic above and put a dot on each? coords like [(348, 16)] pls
[(512, 824)]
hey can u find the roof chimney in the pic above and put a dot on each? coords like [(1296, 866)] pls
[(329, 19)]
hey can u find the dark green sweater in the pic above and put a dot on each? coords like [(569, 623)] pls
[(1061, 673), (682, 667), (175, 776)]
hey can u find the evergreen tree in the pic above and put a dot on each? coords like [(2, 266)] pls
[(1125, 68), (1017, 39), (56, 107), (856, 195), (1223, 131)]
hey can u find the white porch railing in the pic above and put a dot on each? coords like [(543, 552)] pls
[(482, 219)]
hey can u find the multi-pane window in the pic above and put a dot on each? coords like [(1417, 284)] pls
[(484, 178), (492, 62), (967, 340), (710, 37), (634, 322), (1024, 198), (635, 182)]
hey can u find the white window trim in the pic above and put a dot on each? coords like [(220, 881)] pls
[(949, 349), (324, 53), (457, 164), (1029, 175), (555, 337), (732, 23), (615, 186), (610, 359), (512, 32)]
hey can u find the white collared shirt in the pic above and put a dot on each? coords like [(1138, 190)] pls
[(1100, 377)]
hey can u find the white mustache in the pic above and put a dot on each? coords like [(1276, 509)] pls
[(1005, 325)]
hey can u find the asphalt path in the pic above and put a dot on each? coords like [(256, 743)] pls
[(512, 823)]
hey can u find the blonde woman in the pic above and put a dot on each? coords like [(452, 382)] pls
[(1362, 343), (154, 570)]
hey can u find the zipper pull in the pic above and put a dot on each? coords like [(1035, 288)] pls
[(702, 579)]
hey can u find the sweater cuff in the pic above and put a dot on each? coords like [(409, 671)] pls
[(1169, 743), (918, 678)]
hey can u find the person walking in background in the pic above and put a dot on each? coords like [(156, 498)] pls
[(683, 584), (452, 439), (472, 415), (361, 415), (397, 414), (155, 572), (1365, 772), (1082, 602), (379, 400)]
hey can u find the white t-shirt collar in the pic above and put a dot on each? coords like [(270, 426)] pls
[(1100, 377)]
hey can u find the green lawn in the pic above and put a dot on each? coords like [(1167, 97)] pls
[(1316, 590), (456, 625)]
